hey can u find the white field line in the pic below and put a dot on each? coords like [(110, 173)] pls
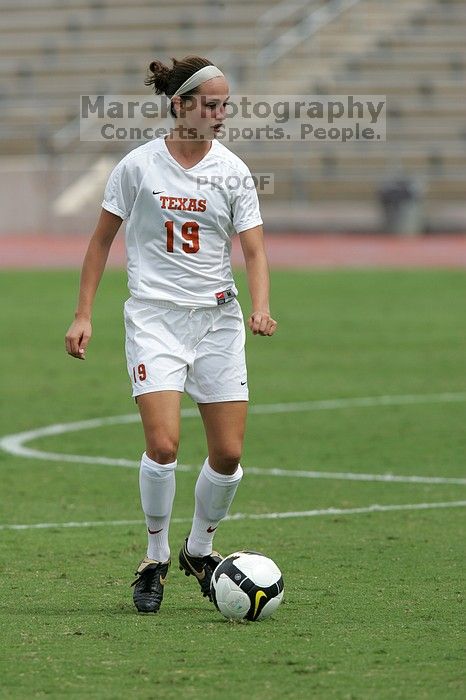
[(356, 476), (15, 444), (375, 508), (359, 402)]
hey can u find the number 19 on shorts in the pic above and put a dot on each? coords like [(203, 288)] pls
[(139, 372)]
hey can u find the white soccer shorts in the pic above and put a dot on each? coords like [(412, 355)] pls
[(199, 351)]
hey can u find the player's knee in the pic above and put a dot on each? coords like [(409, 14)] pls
[(226, 462), (162, 451)]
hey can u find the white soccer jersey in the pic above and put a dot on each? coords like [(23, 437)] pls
[(180, 221)]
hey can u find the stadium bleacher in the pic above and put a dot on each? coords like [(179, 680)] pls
[(412, 51)]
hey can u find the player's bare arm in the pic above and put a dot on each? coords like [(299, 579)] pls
[(80, 331), (252, 242)]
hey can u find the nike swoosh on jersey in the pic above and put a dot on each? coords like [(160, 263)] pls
[(159, 192)]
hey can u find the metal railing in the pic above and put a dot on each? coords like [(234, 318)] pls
[(310, 24)]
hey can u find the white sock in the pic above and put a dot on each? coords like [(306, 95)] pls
[(157, 488), (214, 494)]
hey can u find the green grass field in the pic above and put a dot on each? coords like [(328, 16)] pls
[(373, 600)]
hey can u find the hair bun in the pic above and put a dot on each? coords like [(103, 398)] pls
[(160, 77), (167, 80)]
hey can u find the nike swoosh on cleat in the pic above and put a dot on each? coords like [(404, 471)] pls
[(198, 574), (163, 580)]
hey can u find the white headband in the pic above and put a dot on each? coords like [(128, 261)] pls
[(197, 78)]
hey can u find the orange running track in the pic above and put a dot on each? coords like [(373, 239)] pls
[(284, 251)]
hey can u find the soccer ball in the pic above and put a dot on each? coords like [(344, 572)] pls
[(247, 586)]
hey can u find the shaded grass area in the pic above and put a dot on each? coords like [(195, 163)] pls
[(372, 607)]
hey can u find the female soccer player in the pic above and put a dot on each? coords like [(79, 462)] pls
[(183, 196)]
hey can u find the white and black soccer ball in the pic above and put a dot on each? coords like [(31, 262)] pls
[(247, 586)]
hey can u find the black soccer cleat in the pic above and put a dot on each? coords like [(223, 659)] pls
[(148, 587), (200, 567)]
